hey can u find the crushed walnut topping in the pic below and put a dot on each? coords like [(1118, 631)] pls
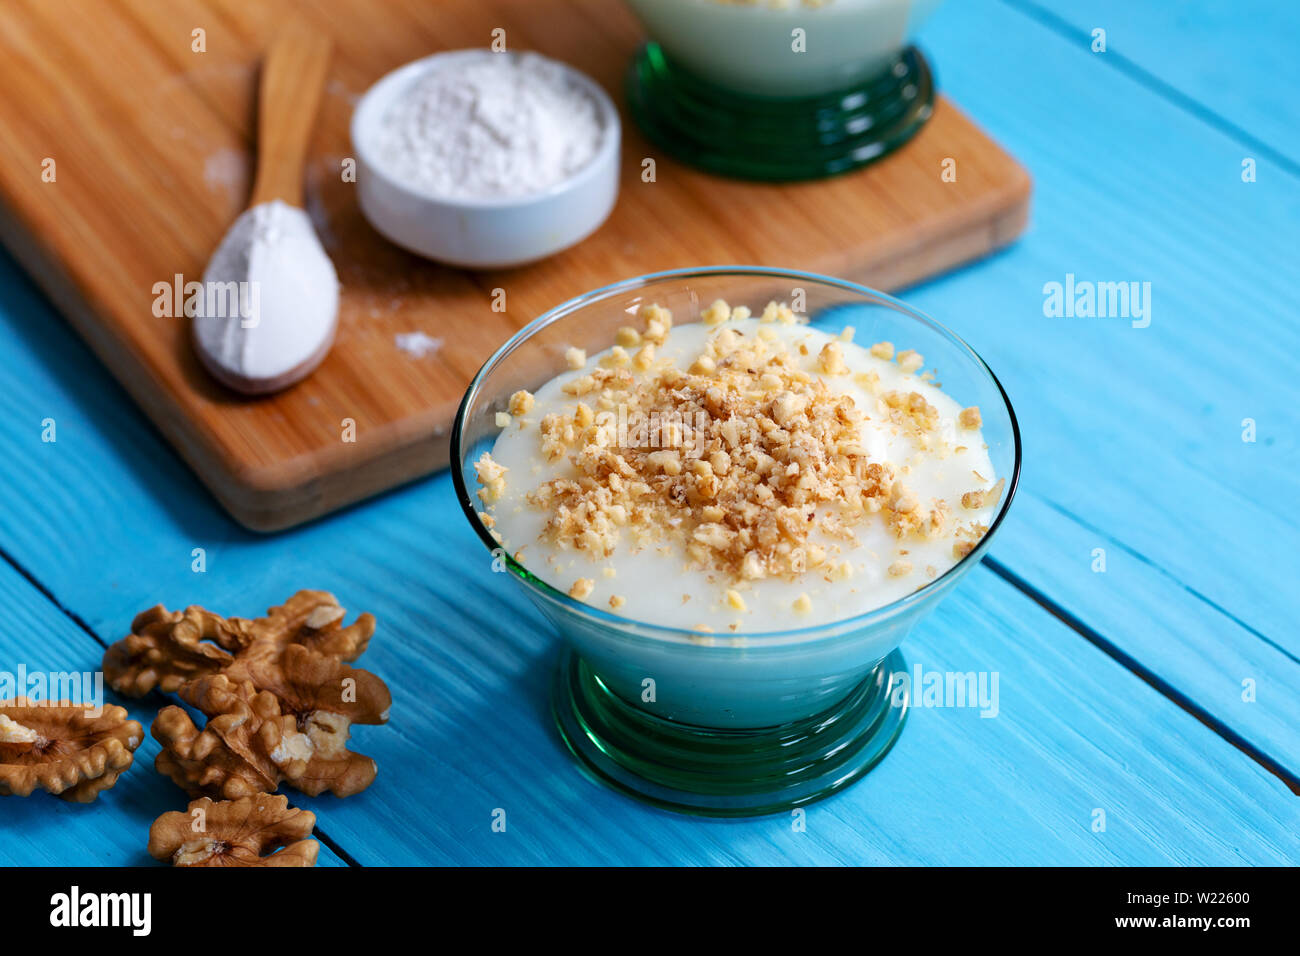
[(751, 450), (746, 458)]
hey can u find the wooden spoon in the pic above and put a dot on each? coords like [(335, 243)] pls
[(272, 251), (293, 80)]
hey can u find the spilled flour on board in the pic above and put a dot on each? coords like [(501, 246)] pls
[(417, 344)]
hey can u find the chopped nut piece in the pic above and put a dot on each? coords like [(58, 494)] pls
[(716, 314), (503, 420), (911, 411), (778, 313), (628, 337), (962, 548), (521, 402), (492, 477), (868, 380), (900, 569), (787, 406), (980, 497), (910, 360), (582, 588), (970, 417), (735, 601), (616, 601), (657, 313), (244, 832), (575, 358), (902, 499), (655, 332), (64, 748), (883, 350), (803, 604), (831, 359), (488, 470)]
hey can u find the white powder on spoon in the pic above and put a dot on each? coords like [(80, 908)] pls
[(271, 299), (499, 125)]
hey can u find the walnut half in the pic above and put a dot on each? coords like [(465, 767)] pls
[(63, 749), (290, 723), (245, 832), (166, 649)]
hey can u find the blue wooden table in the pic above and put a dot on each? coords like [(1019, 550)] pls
[(1139, 606)]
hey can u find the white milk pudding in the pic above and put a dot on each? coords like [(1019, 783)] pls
[(752, 46), (737, 475)]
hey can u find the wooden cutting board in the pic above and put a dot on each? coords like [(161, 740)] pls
[(151, 149)]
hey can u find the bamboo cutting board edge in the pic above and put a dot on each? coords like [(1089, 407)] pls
[(275, 498), (278, 462)]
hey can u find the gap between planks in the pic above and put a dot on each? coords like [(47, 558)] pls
[(1154, 84), (1145, 674), (1179, 582)]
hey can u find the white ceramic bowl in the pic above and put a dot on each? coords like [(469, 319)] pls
[(481, 233)]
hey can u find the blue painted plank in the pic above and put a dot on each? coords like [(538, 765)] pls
[(1234, 64), (42, 830), (1139, 429), (1246, 680)]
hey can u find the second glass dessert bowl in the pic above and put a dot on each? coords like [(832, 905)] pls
[(749, 722), (780, 91)]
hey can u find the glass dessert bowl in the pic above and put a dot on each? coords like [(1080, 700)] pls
[(795, 699), (780, 89)]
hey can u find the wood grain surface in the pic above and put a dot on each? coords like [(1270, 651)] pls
[(290, 87), (153, 146)]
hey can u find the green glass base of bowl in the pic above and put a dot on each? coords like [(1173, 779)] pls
[(778, 140), (727, 773)]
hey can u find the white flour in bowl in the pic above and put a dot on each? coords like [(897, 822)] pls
[(497, 125)]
